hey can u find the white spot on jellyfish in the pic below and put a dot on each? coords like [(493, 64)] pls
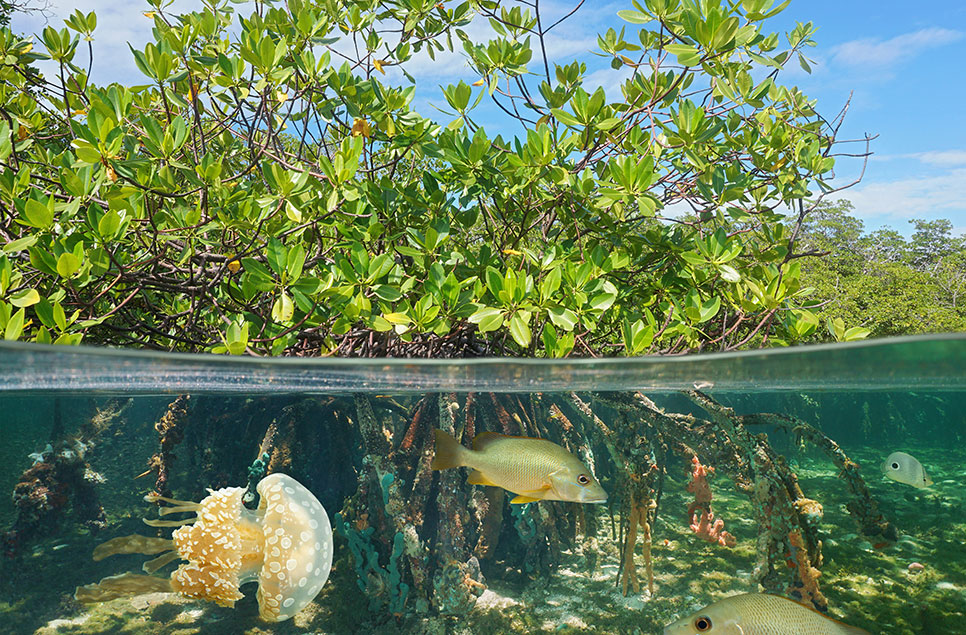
[(286, 542), (317, 546), (288, 602), (318, 572), (291, 564), (274, 567), (305, 536), (314, 524), (302, 582), (289, 490), (308, 566)]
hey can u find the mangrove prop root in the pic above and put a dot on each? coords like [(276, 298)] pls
[(418, 535), (863, 508), (170, 429), (789, 551)]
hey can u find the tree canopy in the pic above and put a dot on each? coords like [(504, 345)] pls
[(881, 281), (270, 188)]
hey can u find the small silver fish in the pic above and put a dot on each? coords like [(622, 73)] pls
[(759, 614), (906, 469)]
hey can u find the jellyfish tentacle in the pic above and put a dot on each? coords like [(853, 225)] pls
[(132, 544), (154, 498), (153, 565), (193, 507), (150, 522), (117, 586)]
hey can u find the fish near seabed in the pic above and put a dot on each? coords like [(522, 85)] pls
[(906, 469), (759, 614), (533, 469)]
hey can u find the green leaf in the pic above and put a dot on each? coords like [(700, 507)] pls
[(550, 283), (109, 224), (68, 264), (634, 17), (729, 273), (25, 298), (387, 292), (519, 329), (236, 338), (397, 318), (380, 324), (14, 326), (487, 319), (283, 308), (603, 301), (836, 328), (687, 55), (276, 255), (566, 118), (86, 151), (564, 318), (38, 215), (637, 336), (494, 281), (294, 263), (20, 244), (856, 333)]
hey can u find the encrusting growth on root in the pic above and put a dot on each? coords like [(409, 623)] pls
[(638, 517)]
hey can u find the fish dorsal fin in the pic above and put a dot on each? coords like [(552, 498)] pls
[(481, 440), (477, 477)]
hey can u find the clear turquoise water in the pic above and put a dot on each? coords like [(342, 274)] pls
[(559, 576)]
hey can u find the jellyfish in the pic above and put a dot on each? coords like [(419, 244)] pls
[(285, 545)]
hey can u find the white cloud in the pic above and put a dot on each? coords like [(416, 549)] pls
[(937, 158), (945, 158), (942, 194), (877, 52)]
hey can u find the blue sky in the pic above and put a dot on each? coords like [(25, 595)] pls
[(901, 62)]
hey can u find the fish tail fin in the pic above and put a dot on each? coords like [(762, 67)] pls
[(449, 452)]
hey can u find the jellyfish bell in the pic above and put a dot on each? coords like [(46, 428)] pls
[(285, 545)]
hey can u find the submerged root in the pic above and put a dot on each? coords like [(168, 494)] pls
[(118, 586)]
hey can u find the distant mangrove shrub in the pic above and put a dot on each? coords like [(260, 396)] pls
[(270, 189)]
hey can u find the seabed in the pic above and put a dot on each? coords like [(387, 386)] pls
[(867, 587)]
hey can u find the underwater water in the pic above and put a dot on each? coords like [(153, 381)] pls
[(768, 471)]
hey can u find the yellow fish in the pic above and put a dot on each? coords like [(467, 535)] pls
[(759, 614), (904, 468), (533, 469)]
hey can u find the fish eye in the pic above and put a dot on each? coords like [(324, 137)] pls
[(703, 624), (895, 466), (583, 479)]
